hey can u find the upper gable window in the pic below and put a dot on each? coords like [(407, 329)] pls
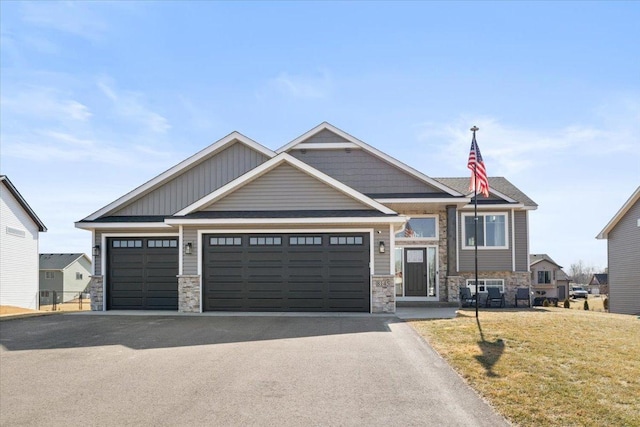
[(492, 231), (420, 228)]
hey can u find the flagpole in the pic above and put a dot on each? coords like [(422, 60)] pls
[(475, 216)]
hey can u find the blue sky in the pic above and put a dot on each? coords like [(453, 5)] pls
[(97, 98)]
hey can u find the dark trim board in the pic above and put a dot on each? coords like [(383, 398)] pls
[(142, 273), (286, 272)]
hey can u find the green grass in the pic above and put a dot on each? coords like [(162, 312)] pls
[(546, 367)]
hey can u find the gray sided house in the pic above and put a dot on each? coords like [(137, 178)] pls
[(63, 276), (547, 278), (325, 223), (623, 253)]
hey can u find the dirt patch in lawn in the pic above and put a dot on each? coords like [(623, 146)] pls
[(7, 310)]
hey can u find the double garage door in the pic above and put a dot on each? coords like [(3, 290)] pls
[(286, 272), (245, 272)]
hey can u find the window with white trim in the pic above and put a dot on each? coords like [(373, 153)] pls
[(544, 277), (49, 275), (420, 228), (484, 284), (492, 231), (78, 275)]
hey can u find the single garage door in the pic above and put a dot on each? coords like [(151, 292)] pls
[(141, 273), (286, 272)]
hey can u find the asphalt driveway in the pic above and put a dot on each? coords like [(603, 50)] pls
[(80, 369)]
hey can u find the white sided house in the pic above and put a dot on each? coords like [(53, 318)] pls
[(325, 223), (623, 253), (19, 231)]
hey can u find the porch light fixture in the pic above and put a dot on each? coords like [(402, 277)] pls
[(96, 250), (381, 247), (188, 248)]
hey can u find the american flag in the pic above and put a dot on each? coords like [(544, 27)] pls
[(476, 164), (408, 232)]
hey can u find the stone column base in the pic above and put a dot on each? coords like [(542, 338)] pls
[(96, 291), (189, 294), (454, 283), (383, 296)]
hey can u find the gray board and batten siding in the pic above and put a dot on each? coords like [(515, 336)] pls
[(286, 188), (363, 171), (196, 182), (325, 136), (623, 247)]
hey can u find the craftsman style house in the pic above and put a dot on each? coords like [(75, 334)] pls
[(325, 223)]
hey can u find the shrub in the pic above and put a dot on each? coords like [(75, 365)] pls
[(605, 303), (586, 305), (567, 304), (545, 303)]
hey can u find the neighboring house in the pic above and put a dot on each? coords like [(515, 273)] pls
[(547, 278), (19, 232), (623, 253), (599, 284), (325, 223), (67, 275)]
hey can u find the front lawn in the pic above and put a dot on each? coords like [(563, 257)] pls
[(546, 366)]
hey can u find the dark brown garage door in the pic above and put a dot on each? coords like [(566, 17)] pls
[(286, 272), (141, 273)]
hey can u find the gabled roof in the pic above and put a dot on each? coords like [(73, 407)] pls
[(600, 278), (536, 258), (356, 143), (498, 186), (166, 176), (272, 164), (59, 261), (604, 234), (23, 203)]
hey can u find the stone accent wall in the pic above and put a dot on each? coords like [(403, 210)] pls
[(443, 257), (512, 281), (96, 291), (189, 294), (383, 298), (454, 283)]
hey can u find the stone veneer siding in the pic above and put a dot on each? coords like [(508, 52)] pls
[(96, 292), (189, 294), (512, 281), (383, 299)]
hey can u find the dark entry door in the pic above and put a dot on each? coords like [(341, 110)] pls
[(415, 272), (141, 273)]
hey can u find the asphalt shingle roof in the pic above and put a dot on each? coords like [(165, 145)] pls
[(57, 261), (498, 183)]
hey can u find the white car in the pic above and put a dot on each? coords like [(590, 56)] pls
[(578, 292)]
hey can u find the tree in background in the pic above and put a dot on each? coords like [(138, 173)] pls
[(581, 273)]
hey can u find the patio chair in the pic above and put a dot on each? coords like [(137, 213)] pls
[(522, 294), (494, 295), (466, 298)]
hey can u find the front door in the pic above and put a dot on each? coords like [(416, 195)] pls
[(419, 274)]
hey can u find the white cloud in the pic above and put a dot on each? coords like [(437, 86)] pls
[(44, 103), (129, 105), (77, 18), (302, 86)]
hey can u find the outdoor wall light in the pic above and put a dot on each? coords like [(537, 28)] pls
[(381, 247), (188, 248), (96, 250)]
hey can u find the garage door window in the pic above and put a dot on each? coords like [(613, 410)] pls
[(162, 243), (305, 240), (225, 241), (345, 240), (127, 243), (265, 241)]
